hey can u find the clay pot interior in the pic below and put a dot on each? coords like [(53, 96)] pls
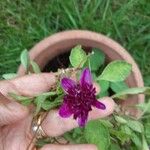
[(61, 43)]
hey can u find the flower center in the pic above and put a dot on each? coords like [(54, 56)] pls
[(80, 99)]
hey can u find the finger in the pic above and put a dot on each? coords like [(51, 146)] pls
[(11, 112), (54, 125), (69, 147), (29, 85)]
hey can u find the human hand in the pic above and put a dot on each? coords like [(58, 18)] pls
[(15, 119)]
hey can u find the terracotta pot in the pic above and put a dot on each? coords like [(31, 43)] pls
[(61, 42)]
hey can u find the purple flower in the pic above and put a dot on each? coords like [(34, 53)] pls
[(79, 98)]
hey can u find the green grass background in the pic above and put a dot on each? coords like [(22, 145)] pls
[(25, 22)]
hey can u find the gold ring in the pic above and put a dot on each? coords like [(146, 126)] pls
[(37, 128)]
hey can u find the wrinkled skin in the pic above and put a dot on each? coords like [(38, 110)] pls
[(15, 119)]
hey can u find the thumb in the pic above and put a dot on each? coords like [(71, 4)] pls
[(10, 111)]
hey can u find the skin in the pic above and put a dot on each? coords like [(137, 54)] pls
[(15, 119)]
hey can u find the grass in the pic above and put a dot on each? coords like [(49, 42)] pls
[(25, 22)]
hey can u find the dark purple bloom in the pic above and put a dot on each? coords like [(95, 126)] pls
[(79, 98)]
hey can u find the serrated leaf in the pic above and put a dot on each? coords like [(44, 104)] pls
[(96, 59), (98, 134), (135, 125), (116, 71), (77, 57), (132, 91), (118, 86), (9, 76), (25, 59), (35, 67), (104, 85), (120, 119)]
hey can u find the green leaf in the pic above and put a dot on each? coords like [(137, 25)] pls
[(9, 76), (145, 107), (52, 93), (103, 94), (26, 102), (147, 131), (135, 125), (118, 86), (35, 67), (116, 71), (132, 91), (77, 57), (106, 123), (98, 134), (96, 59), (25, 59), (144, 144), (120, 119), (121, 135), (22, 99), (39, 100), (19, 97), (115, 146), (104, 85), (136, 139), (48, 105)]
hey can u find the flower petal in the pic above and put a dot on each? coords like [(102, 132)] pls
[(64, 111), (86, 77), (67, 83), (82, 120), (99, 105)]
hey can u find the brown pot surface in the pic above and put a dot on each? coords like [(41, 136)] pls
[(61, 42)]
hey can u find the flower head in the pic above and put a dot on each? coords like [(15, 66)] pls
[(79, 98)]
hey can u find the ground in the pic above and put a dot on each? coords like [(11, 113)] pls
[(25, 22)]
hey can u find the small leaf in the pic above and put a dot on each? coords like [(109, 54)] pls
[(118, 86), (100, 95), (136, 139), (26, 102), (98, 134), (9, 76), (147, 131), (22, 99), (19, 97), (38, 102), (116, 71), (106, 123), (77, 57), (132, 91), (144, 144), (135, 126), (104, 85), (35, 67), (52, 93), (120, 120), (145, 107), (121, 135), (96, 59), (115, 146), (25, 59)]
